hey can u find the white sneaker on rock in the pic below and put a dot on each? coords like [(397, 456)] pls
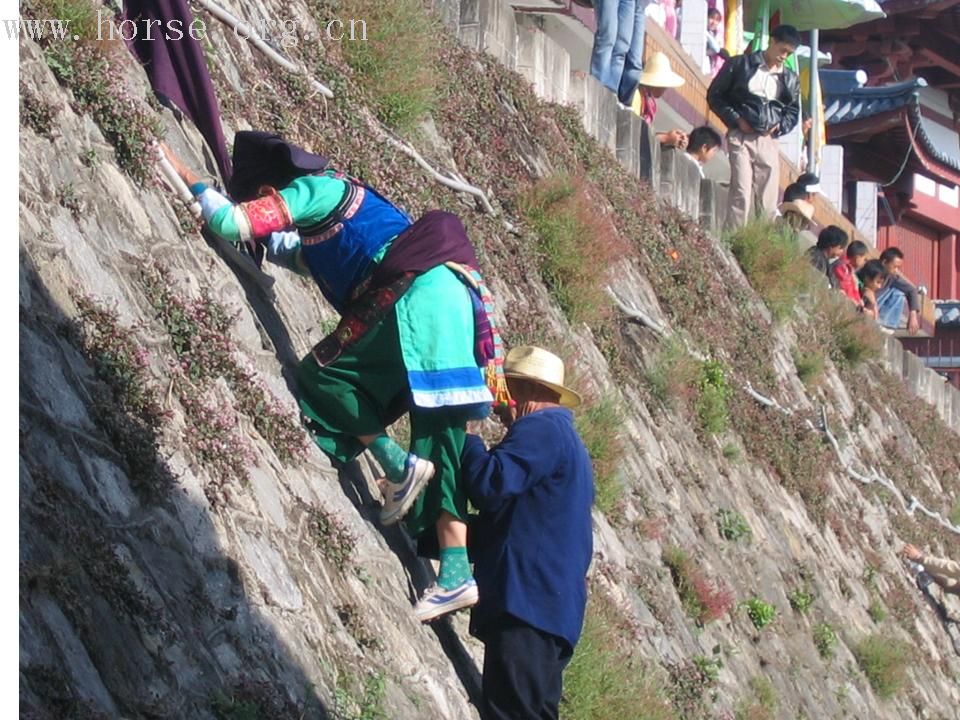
[(399, 497), (436, 601)]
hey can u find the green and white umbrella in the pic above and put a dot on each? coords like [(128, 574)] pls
[(813, 14)]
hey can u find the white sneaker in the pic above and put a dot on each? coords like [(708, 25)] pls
[(436, 601), (399, 497)]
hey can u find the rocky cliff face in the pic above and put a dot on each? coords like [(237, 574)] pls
[(186, 553)]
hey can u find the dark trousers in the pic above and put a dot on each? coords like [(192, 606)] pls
[(522, 671)]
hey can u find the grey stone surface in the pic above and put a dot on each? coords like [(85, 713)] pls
[(628, 140), (150, 610)]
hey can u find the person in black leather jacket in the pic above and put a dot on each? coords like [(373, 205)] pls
[(759, 100)]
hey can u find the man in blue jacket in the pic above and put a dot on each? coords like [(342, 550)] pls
[(533, 541)]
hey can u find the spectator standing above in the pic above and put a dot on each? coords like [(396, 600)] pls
[(896, 292), (870, 278), (759, 100), (617, 57), (702, 145), (657, 77), (830, 246), (845, 270), (533, 540)]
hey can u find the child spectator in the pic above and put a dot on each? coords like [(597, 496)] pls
[(845, 270), (871, 278), (716, 53), (830, 246), (702, 145)]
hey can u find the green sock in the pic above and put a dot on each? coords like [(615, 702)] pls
[(392, 458), (454, 567)]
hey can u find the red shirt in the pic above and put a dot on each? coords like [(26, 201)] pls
[(846, 281)]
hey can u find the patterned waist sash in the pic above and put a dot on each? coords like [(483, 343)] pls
[(361, 315)]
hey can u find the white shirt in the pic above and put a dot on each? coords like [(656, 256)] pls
[(766, 82)]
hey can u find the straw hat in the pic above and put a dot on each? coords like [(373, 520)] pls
[(801, 207), (540, 366), (658, 73)]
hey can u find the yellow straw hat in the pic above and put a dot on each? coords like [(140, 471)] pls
[(658, 73), (540, 366)]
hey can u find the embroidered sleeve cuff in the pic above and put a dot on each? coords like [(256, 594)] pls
[(265, 215)]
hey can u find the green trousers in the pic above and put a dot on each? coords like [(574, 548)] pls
[(364, 390)]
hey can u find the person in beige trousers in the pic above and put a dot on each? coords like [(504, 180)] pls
[(759, 100), (945, 572)]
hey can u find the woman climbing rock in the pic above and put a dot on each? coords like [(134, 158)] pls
[(415, 333)]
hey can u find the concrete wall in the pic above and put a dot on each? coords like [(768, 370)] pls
[(524, 42)]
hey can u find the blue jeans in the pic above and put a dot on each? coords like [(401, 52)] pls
[(617, 58), (890, 305)]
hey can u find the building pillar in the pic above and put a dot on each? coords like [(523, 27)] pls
[(693, 31), (865, 210), (948, 280)]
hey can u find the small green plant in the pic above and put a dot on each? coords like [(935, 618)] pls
[(709, 666), (332, 537), (809, 364), (69, 198), (825, 640), (955, 513), (732, 526), (363, 704), (884, 661), (801, 599), (607, 679), (598, 425), (731, 451), (90, 158), (760, 613), (703, 599), (877, 611), (713, 396)]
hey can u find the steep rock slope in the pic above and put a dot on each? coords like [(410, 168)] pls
[(186, 553)]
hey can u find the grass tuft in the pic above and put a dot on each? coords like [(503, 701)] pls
[(607, 679), (575, 243), (884, 661), (397, 63), (771, 259), (825, 640), (598, 425)]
